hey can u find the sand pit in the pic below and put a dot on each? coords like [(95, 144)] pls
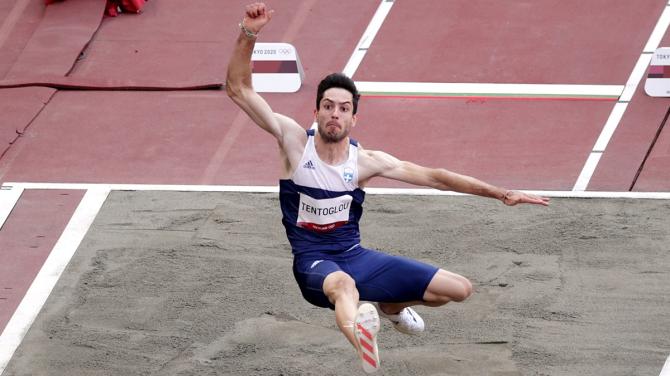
[(188, 283)]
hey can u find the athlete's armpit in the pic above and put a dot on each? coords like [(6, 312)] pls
[(291, 143)]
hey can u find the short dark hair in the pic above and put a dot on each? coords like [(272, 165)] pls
[(339, 80)]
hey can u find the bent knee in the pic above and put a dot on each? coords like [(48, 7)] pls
[(447, 287), (464, 291), (338, 284)]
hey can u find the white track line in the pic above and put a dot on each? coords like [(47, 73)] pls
[(491, 89), (53, 267), (638, 73), (275, 189), (658, 33), (610, 126), (9, 196), (150, 187), (587, 171), (367, 38), (619, 109), (666, 368)]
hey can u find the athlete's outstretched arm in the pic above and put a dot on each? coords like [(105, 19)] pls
[(377, 163), (289, 135), (238, 79)]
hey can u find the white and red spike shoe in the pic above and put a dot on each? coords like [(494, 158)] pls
[(366, 327)]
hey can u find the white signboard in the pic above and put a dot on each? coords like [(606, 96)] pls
[(276, 68), (658, 77)]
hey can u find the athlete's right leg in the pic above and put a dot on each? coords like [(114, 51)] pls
[(341, 291), (324, 284), (359, 324)]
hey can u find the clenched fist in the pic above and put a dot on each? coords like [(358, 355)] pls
[(256, 16)]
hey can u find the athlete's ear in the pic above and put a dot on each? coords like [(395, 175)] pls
[(315, 112), (353, 120)]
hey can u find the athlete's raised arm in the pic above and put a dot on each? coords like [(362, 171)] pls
[(290, 136), (238, 79), (377, 163)]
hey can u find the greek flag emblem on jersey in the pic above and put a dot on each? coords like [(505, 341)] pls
[(348, 174)]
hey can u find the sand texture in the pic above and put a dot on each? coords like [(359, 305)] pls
[(188, 283)]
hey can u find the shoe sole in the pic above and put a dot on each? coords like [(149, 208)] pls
[(366, 327)]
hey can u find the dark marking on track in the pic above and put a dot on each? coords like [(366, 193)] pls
[(651, 147)]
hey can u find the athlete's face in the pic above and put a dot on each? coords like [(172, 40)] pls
[(335, 115)]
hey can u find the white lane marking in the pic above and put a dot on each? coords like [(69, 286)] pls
[(490, 89), (659, 31), (373, 191), (367, 38), (610, 126), (150, 187), (364, 43), (634, 79), (666, 368), (9, 196), (53, 267), (587, 171)]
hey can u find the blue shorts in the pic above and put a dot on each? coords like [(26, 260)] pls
[(379, 277)]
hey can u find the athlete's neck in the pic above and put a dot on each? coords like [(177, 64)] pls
[(332, 153)]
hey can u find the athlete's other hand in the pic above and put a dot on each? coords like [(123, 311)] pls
[(256, 16), (515, 197)]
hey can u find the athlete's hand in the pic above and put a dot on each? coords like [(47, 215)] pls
[(256, 16), (512, 198)]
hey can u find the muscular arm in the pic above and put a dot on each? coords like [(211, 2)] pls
[(288, 133), (377, 163), (239, 89)]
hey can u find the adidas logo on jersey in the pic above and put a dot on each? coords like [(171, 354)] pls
[(309, 165)]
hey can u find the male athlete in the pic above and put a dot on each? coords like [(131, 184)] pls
[(322, 176)]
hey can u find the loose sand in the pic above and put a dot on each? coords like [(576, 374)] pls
[(187, 283)]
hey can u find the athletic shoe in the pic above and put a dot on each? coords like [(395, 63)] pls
[(366, 327), (406, 321)]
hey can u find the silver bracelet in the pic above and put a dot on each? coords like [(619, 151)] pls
[(247, 32)]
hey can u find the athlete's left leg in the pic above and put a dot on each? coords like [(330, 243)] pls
[(443, 288)]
